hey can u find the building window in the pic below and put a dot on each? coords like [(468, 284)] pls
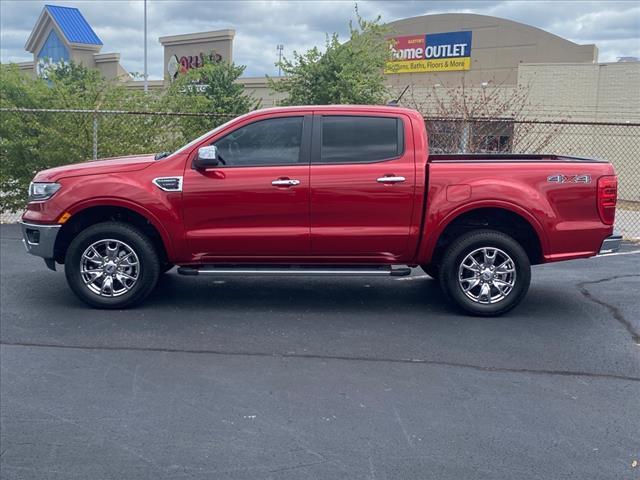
[(491, 137), (459, 136), (53, 49)]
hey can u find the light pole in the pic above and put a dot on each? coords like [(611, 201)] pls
[(280, 48), (146, 82)]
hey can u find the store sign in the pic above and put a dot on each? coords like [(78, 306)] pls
[(177, 65), (436, 52)]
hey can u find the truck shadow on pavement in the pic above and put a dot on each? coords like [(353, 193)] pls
[(328, 295)]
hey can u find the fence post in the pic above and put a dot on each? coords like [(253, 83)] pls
[(95, 135), (464, 139)]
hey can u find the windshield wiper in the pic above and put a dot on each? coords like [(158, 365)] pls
[(161, 155)]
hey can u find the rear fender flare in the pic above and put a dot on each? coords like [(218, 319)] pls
[(426, 252)]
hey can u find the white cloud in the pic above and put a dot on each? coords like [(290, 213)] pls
[(299, 25)]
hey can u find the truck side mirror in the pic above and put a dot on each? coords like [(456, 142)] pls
[(207, 157)]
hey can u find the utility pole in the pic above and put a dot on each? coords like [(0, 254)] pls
[(280, 48), (146, 82)]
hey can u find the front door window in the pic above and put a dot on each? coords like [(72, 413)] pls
[(268, 142)]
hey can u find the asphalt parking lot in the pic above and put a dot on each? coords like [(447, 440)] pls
[(342, 378)]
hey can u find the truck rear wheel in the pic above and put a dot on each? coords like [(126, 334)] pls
[(485, 272), (112, 265)]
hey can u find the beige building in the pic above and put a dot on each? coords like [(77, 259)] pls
[(432, 53), (497, 47), (598, 92), (63, 34), (184, 52), (552, 77), (558, 79)]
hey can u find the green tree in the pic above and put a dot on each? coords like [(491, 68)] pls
[(19, 134), (212, 89), (34, 141), (345, 73)]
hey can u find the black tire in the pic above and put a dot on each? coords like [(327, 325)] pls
[(148, 263), (459, 251), (433, 270)]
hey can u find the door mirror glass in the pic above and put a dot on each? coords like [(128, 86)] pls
[(207, 157)]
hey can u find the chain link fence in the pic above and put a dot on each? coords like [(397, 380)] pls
[(35, 139)]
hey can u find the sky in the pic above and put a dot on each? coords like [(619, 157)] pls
[(614, 26)]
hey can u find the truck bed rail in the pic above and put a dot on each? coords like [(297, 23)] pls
[(508, 157)]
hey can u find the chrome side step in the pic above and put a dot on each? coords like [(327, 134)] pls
[(296, 270)]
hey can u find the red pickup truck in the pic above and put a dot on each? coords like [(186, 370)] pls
[(320, 190)]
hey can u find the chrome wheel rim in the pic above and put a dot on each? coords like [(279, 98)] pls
[(109, 268), (487, 275)]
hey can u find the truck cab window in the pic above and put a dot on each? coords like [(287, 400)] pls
[(360, 139), (275, 141)]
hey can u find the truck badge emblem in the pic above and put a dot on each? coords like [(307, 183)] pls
[(559, 178)]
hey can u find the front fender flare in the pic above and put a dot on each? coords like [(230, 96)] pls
[(128, 204)]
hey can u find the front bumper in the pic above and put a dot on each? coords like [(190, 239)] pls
[(40, 240), (611, 244)]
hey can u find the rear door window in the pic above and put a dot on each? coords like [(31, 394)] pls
[(360, 139)]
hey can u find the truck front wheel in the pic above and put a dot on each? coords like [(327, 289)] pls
[(112, 265), (485, 272)]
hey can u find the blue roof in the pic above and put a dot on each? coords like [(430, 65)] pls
[(73, 25)]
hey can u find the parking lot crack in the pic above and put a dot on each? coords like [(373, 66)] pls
[(294, 467), (404, 430), (412, 361), (615, 311)]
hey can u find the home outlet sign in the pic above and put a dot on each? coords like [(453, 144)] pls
[(435, 52)]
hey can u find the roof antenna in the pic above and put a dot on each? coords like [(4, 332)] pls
[(394, 103)]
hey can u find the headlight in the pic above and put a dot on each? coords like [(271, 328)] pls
[(42, 191)]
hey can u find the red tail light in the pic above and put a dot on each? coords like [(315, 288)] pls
[(607, 198)]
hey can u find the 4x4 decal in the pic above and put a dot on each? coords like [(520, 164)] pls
[(559, 178)]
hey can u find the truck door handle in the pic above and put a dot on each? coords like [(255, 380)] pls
[(285, 182), (391, 179)]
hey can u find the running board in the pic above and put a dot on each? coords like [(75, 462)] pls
[(295, 270)]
